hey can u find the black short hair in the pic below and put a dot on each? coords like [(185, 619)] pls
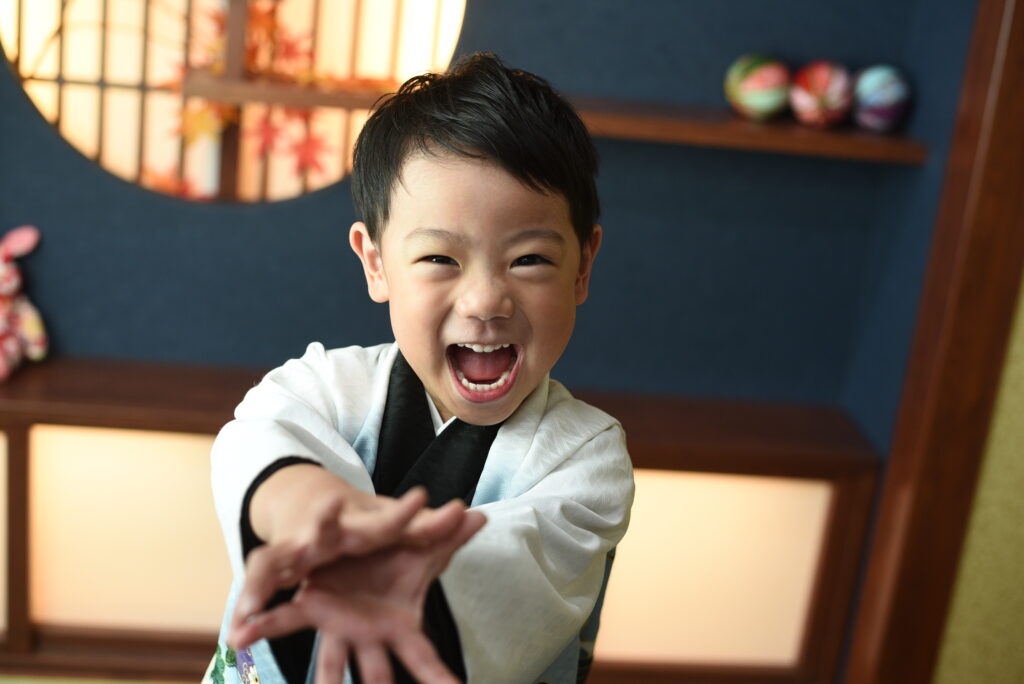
[(480, 109)]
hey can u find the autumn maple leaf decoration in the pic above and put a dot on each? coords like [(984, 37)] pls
[(266, 133), (307, 151)]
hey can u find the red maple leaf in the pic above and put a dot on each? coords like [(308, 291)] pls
[(300, 114), (289, 48), (262, 22), (307, 151), (267, 133), (219, 19)]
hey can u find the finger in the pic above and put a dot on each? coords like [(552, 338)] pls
[(431, 526), (268, 569), (472, 523), (326, 545), (421, 659), (372, 530), (280, 620), (374, 667), (331, 656), (445, 549), (328, 527)]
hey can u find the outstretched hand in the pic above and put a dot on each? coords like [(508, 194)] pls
[(345, 522), (365, 605)]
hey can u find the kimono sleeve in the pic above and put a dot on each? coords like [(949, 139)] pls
[(523, 587), (310, 408)]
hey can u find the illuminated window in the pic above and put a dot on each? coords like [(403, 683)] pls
[(223, 99)]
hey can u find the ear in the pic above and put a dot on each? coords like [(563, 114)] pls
[(19, 241), (587, 256), (373, 265)]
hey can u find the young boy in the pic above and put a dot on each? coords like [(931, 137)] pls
[(480, 207)]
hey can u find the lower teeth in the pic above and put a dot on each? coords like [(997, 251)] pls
[(479, 387)]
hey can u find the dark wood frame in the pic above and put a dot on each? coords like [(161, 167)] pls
[(665, 433), (716, 436), (969, 298)]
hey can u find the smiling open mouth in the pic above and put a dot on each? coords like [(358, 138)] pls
[(483, 372)]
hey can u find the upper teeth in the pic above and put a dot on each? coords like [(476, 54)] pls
[(483, 347)]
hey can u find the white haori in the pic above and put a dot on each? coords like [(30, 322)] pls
[(557, 487)]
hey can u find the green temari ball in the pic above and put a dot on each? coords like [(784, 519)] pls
[(757, 86)]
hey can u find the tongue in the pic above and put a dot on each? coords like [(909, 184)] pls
[(482, 367)]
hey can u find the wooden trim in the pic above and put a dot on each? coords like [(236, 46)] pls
[(199, 83), (125, 394), (969, 297), (815, 442), (112, 653), (18, 637), (722, 436), (235, 36), (625, 672), (825, 626)]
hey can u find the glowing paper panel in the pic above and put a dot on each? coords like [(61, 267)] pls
[(81, 110), (45, 95), (39, 52), (122, 531), (83, 45), (125, 42), (715, 569), (3, 532), (121, 132), (9, 28)]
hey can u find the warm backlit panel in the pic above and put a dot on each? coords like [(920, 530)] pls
[(3, 532), (122, 530), (715, 569)]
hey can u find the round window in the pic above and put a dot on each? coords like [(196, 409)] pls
[(221, 99)]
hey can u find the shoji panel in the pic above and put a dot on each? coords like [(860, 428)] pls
[(715, 569), (122, 530), (3, 532)]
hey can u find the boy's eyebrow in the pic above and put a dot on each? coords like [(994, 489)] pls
[(437, 234), (536, 234), (521, 236)]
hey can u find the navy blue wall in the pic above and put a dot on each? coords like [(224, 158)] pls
[(723, 273)]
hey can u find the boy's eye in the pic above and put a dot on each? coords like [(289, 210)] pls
[(531, 260), (439, 259)]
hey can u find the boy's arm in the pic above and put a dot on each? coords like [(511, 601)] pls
[(298, 410), (543, 553)]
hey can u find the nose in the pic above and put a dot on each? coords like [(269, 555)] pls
[(485, 297)]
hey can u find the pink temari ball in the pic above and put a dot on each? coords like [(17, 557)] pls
[(757, 86), (821, 94), (881, 95)]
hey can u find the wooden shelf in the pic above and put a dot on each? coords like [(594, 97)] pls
[(722, 128), (647, 122)]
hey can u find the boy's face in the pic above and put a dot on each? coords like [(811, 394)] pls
[(483, 276)]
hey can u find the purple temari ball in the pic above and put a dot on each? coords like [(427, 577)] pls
[(882, 96)]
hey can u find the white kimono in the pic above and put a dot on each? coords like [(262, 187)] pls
[(557, 487)]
